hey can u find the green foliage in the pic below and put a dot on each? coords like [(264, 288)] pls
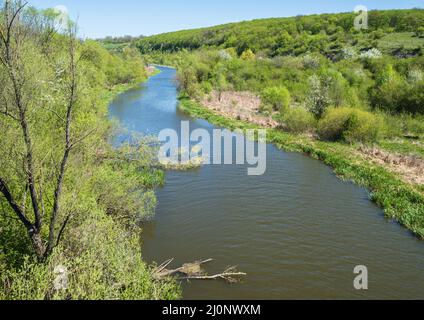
[(395, 94), (277, 97), (320, 59), (298, 120), (392, 42), (248, 55), (420, 32), (327, 34), (105, 264), (107, 192), (349, 125), (122, 68), (187, 80)]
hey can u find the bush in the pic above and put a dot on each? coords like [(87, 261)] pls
[(103, 261), (396, 93), (277, 97), (248, 55), (420, 32), (349, 125), (393, 126), (414, 125), (298, 120)]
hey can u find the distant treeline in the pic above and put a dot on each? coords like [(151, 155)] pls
[(124, 39)]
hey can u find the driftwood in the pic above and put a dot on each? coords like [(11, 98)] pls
[(194, 271)]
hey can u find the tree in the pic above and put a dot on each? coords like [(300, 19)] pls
[(29, 78), (319, 99)]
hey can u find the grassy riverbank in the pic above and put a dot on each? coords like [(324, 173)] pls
[(401, 201)]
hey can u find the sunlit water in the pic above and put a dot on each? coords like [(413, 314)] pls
[(298, 231)]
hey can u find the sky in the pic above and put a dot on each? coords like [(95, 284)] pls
[(100, 18)]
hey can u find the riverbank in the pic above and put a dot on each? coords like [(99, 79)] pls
[(401, 201)]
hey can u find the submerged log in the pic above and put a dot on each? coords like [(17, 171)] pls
[(194, 271)]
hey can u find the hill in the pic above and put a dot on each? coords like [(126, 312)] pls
[(325, 33)]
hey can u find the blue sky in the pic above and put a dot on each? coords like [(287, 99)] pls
[(99, 18)]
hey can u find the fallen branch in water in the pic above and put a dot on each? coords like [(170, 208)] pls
[(230, 275), (194, 271)]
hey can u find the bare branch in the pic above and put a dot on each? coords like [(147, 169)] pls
[(14, 16), (83, 138), (7, 114), (62, 230), (68, 143), (55, 113), (14, 205)]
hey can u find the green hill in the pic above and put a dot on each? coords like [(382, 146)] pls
[(326, 33)]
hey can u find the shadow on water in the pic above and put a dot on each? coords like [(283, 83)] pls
[(298, 231)]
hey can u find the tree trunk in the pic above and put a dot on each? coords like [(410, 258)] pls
[(37, 243)]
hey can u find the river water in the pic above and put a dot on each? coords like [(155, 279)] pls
[(297, 231)]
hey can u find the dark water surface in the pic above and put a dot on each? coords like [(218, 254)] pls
[(297, 231)]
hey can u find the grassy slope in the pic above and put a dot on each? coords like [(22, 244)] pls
[(404, 146), (399, 200), (405, 40)]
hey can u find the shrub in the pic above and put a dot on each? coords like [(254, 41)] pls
[(277, 97), (413, 101), (349, 125), (398, 96), (224, 55), (102, 261), (298, 120), (248, 55), (420, 32), (311, 62)]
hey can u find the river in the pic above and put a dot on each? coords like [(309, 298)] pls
[(297, 231)]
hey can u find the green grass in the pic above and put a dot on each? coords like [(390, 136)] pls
[(405, 40), (404, 146), (399, 200)]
